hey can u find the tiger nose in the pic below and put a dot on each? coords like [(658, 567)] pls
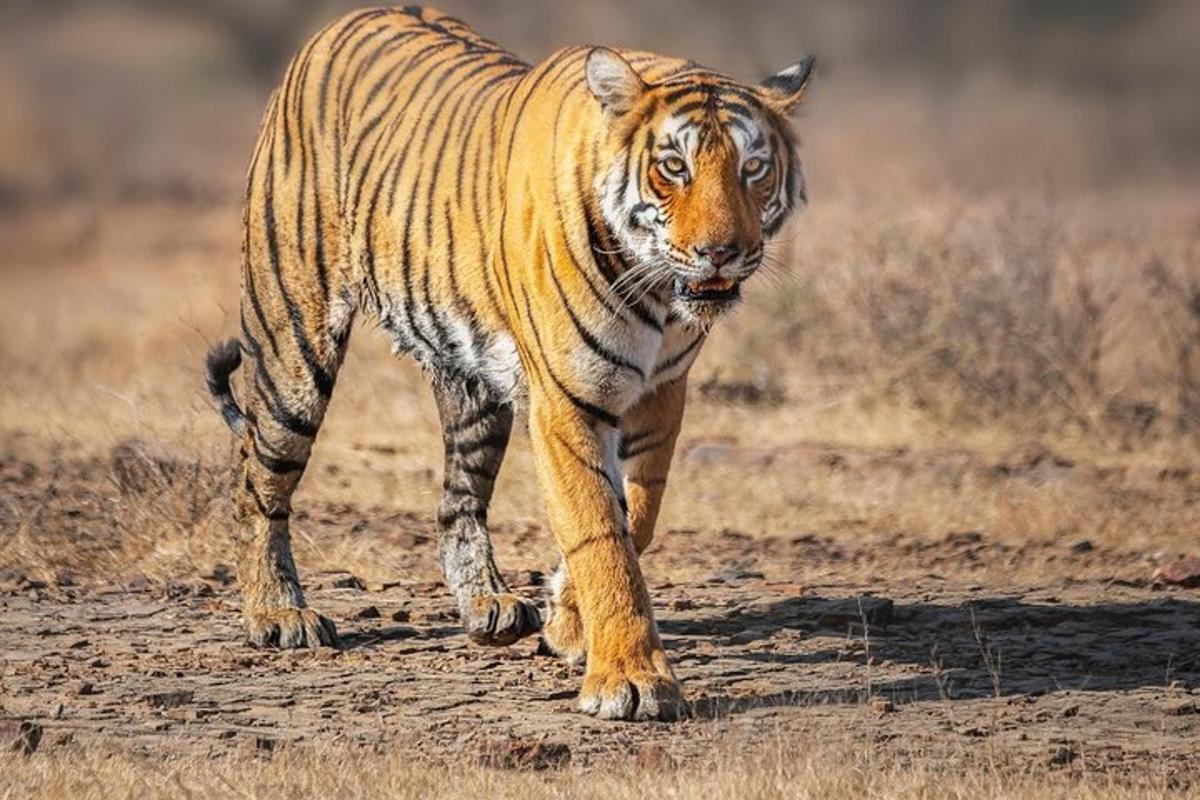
[(718, 255)]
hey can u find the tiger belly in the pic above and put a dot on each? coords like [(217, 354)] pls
[(445, 344)]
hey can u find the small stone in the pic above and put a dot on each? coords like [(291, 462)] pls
[(401, 615), (20, 736), (85, 688), (367, 612), (1071, 711), (1083, 546), (172, 699), (682, 604), (1183, 572), (348, 582)]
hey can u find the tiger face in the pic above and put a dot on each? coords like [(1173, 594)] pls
[(703, 170)]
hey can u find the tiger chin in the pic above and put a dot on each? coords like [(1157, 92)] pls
[(556, 238)]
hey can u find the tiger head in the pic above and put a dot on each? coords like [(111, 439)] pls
[(702, 170)]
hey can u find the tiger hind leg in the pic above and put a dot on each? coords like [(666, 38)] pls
[(475, 431), (284, 409)]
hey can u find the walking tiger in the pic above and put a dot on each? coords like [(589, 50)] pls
[(557, 238)]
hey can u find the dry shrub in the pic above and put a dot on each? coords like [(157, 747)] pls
[(1021, 317)]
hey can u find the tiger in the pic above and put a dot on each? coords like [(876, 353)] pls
[(556, 239)]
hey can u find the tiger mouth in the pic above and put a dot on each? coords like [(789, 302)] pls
[(709, 290)]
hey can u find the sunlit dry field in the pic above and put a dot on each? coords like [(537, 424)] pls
[(918, 540)]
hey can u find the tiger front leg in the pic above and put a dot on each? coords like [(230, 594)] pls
[(648, 434), (628, 675)]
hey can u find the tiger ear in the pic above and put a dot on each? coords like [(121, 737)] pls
[(784, 90), (612, 81)]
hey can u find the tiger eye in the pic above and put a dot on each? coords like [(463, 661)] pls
[(755, 167), (673, 166)]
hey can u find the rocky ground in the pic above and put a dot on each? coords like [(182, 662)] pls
[(1100, 673)]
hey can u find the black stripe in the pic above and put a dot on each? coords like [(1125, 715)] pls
[(633, 451), (594, 344), (270, 395), (351, 27), (322, 378), (484, 471), (464, 423), (445, 520), (678, 357), (617, 491), (274, 516), (279, 466), (591, 409)]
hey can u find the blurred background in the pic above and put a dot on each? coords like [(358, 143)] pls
[(1001, 259)]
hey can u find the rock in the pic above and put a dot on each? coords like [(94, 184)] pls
[(20, 736), (1083, 546), (171, 699), (348, 582), (367, 612), (682, 604), (401, 615), (518, 754), (1180, 708), (1183, 572), (85, 688)]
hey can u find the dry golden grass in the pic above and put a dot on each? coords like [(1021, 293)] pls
[(793, 770)]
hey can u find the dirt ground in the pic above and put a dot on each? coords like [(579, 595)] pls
[(1077, 660)]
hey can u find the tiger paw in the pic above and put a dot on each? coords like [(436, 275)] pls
[(499, 620), (290, 628), (632, 695)]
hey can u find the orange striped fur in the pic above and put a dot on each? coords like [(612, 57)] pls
[(557, 237)]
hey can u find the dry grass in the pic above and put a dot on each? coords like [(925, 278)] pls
[(792, 770)]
